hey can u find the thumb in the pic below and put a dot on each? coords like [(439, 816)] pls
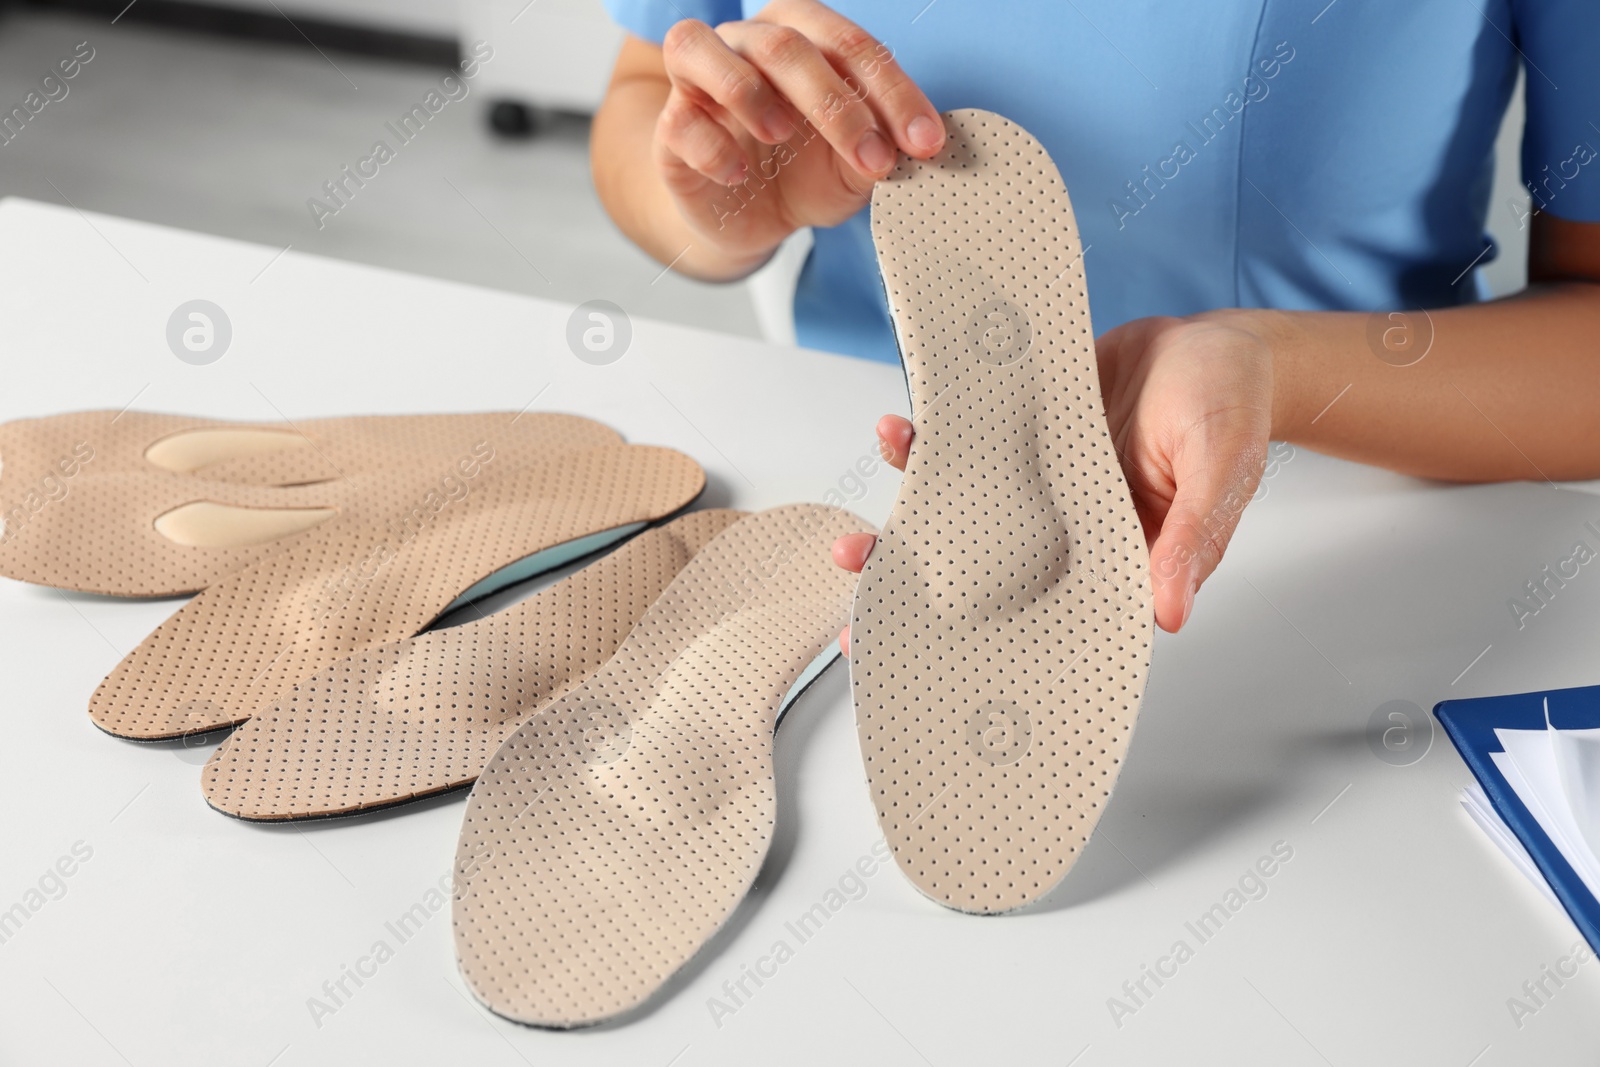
[(1210, 497)]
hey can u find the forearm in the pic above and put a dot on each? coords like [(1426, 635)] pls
[(1507, 390), (630, 185)]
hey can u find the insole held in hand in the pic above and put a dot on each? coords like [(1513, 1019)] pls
[(1002, 625)]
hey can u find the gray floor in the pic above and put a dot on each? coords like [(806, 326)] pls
[(232, 138)]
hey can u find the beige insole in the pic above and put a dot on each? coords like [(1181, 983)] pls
[(1001, 629), (137, 531), (372, 577), (404, 721), (613, 833), (308, 450)]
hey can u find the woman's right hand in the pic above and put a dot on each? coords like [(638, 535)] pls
[(780, 122)]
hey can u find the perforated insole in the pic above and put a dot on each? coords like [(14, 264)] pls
[(1001, 629), (309, 450), (133, 530), (613, 833), (367, 579), (422, 716)]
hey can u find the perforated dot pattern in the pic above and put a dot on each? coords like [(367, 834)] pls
[(366, 578), (408, 720), (616, 831), (1001, 629), (94, 530)]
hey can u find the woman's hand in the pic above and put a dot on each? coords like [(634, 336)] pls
[(1189, 403), (779, 122)]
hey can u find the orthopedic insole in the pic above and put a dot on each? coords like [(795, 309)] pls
[(1002, 625), (140, 531), (365, 579), (311, 450), (405, 721), (614, 832)]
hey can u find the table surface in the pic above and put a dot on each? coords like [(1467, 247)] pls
[(1393, 933)]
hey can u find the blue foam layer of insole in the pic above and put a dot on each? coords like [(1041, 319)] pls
[(809, 675), (544, 560)]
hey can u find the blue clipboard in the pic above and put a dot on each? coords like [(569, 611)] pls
[(1471, 724)]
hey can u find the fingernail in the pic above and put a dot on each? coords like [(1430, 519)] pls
[(733, 172), (874, 153), (777, 124), (1188, 604), (925, 133)]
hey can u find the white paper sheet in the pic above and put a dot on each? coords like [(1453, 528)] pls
[(1556, 775), (1478, 805), (1577, 756)]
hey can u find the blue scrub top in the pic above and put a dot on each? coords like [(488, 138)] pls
[(1293, 154)]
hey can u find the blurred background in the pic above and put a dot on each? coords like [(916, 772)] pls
[(231, 116), (228, 116)]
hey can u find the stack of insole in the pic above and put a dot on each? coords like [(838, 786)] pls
[(619, 723), (320, 556)]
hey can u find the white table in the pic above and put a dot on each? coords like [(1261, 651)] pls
[(1395, 934)]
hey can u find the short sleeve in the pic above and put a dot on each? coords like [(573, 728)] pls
[(651, 19), (1560, 43)]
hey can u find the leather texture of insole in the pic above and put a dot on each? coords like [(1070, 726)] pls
[(285, 453), (1001, 631), (615, 832), (112, 531), (367, 579), (422, 716)]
